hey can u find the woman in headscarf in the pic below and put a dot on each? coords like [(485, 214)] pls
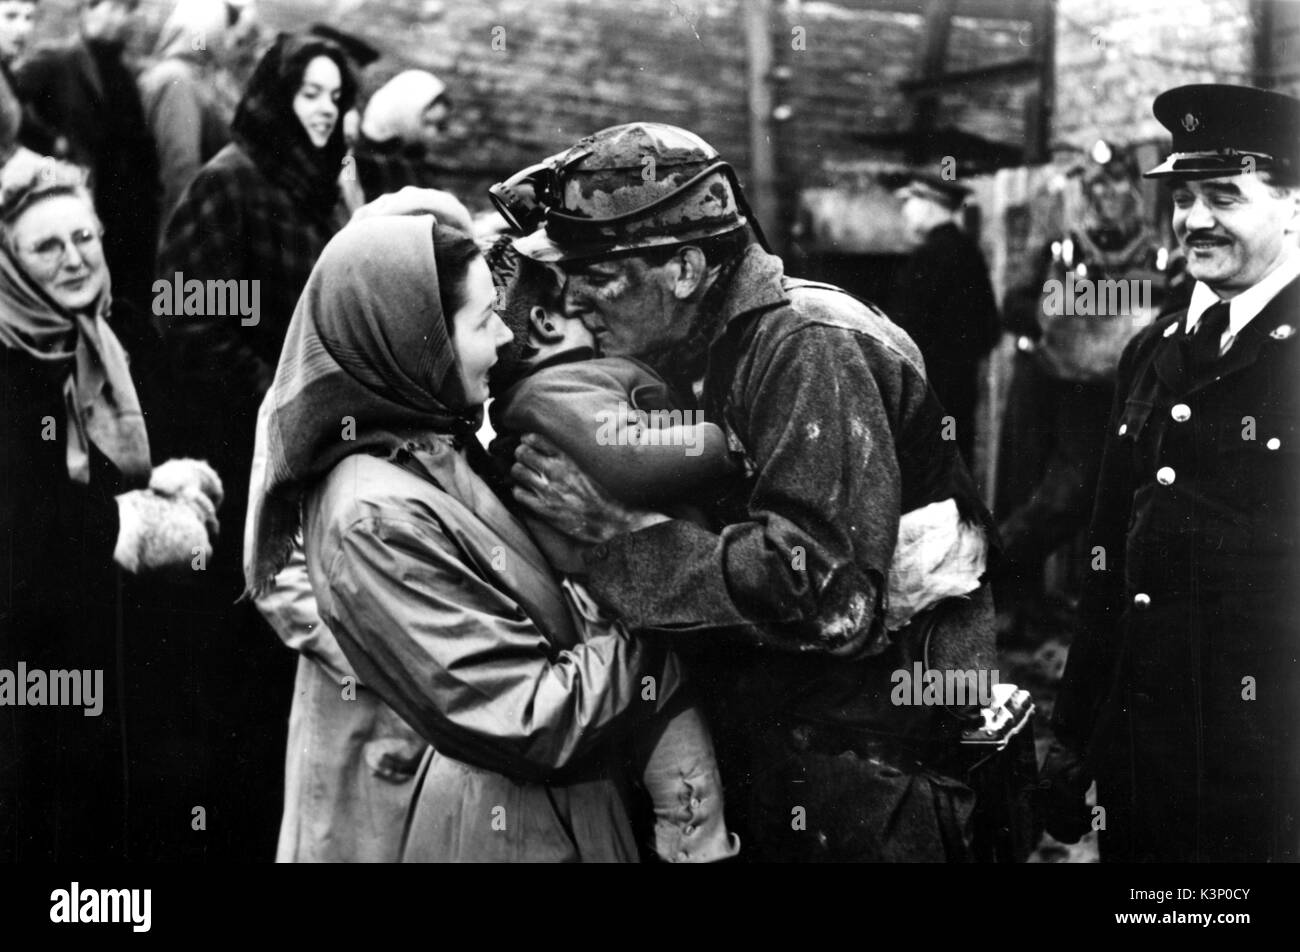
[(435, 592), (189, 121), (80, 501), (253, 221), (402, 121)]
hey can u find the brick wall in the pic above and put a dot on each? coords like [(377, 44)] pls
[(1114, 56), (562, 68)]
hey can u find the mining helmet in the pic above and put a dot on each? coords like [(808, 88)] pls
[(628, 187)]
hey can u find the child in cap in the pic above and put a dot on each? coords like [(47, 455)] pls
[(617, 419)]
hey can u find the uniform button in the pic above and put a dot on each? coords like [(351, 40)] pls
[(1181, 412), (1142, 601), (1123, 428), (690, 830), (695, 803), (1165, 475), (1274, 443)]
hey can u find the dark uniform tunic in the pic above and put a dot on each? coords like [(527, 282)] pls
[(943, 299), (1184, 679)]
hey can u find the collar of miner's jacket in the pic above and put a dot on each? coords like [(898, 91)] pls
[(755, 286)]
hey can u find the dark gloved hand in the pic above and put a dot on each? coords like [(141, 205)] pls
[(1062, 792)]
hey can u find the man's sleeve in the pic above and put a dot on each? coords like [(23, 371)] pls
[(1088, 673), (806, 571), (460, 661), (33, 82), (176, 119)]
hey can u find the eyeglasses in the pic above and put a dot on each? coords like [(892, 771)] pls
[(53, 251)]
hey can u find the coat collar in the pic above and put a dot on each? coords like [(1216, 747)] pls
[(1276, 323), (449, 470), (755, 286)]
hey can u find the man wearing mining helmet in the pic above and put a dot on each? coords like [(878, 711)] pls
[(1180, 696), (782, 608)]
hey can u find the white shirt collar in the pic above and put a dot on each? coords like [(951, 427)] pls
[(1243, 308)]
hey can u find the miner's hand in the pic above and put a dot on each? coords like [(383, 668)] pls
[(550, 485)]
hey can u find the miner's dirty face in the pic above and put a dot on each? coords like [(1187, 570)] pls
[(628, 303)]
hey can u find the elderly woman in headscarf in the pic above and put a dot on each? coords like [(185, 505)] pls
[(189, 120), (436, 594), (81, 503), (402, 121), (253, 221)]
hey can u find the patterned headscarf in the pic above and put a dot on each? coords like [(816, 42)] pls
[(99, 396), (368, 366)]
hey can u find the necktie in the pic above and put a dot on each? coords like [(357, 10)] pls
[(1208, 333)]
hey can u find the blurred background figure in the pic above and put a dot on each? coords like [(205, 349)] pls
[(84, 106), (1063, 376), (16, 19), (258, 214), (189, 119), (403, 119), (81, 500), (943, 299)]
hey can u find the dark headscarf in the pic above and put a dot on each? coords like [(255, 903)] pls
[(368, 350), (100, 400), (266, 127)]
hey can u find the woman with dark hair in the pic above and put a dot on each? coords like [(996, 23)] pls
[(235, 254), (434, 591), (81, 503)]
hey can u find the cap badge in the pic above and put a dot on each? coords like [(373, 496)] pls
[(1191, 123), (1282, 332)]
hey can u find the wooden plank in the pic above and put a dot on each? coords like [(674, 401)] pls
[(761, 188)]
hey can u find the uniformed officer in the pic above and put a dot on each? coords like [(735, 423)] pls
[(943, 299), (1180, 697)]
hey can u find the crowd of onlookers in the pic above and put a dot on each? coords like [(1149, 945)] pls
[(233, 156)]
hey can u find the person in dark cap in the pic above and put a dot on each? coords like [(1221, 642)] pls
[(1180, 695), (943, 299)]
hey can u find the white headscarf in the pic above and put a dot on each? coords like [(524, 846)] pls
[(193, 30), (397, 109)]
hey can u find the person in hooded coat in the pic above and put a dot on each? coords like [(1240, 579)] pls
[(189, 122), (436, 594), (258, 215), (402, 121), (81, 503)]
